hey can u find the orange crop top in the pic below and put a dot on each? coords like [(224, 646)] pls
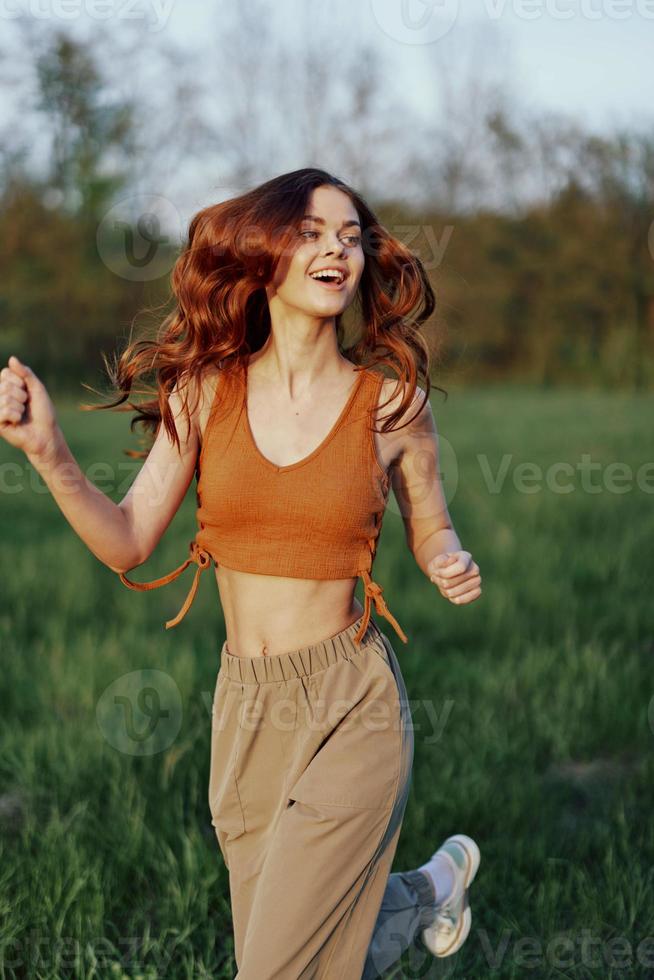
[(318, 518)]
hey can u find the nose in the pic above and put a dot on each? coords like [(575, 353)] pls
[(334, 245)]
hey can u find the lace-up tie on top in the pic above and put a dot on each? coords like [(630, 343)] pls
[(318, 518)]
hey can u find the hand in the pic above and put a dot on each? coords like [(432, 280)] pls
[(27, 415), (456, 575)]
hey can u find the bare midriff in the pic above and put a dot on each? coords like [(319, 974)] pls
[(266, 615)]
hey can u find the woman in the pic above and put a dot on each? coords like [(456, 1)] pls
[(308, 797)]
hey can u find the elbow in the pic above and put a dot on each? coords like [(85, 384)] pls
[(124, 567), (119, 571), (133, 552)]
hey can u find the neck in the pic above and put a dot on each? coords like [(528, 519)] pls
[(292, 362)]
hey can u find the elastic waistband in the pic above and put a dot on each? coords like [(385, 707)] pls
[(298, 663)]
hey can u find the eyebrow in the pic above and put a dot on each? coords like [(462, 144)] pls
[(321, 221)]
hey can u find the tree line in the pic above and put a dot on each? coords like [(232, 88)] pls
[(537, 234)]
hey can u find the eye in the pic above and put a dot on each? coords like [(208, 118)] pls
[(303, 233), (354, 239)]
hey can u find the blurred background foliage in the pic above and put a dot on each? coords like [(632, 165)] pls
[(536, 233)]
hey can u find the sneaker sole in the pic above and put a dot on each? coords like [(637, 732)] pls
[(474, 857)]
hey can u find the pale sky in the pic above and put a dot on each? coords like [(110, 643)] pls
[(590, 59), (600, 68)]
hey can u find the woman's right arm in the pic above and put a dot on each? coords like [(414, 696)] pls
[(121, 535)]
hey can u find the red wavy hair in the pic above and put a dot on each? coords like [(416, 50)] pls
[(221, 312)]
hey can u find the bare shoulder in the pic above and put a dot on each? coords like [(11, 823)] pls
[(391, 394), (208, 388), (397, 443), (190, 401)]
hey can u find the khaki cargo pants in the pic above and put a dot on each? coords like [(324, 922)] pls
[(311, 758)]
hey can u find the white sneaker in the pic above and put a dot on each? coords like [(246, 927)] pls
[(453, 919)]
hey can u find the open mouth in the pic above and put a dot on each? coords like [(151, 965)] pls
[(329, 278)]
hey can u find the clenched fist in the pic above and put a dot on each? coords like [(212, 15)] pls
[(27, 416), (456, 575)]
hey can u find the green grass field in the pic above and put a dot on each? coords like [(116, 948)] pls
[(533, 710)]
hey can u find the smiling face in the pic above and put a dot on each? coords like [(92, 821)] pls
[(329, 238)]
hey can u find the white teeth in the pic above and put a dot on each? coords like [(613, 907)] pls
[(340, 276)]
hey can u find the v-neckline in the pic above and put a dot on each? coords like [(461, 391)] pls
[(312, 455)]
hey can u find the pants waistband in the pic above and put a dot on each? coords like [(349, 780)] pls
[(298, 663)]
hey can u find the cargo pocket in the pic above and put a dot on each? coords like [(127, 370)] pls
[(225, 805), (357, 759)]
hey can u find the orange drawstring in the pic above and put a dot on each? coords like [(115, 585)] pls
[(373, 591), (198, 555)]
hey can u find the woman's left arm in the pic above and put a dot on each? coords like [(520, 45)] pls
[(418, 489)]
